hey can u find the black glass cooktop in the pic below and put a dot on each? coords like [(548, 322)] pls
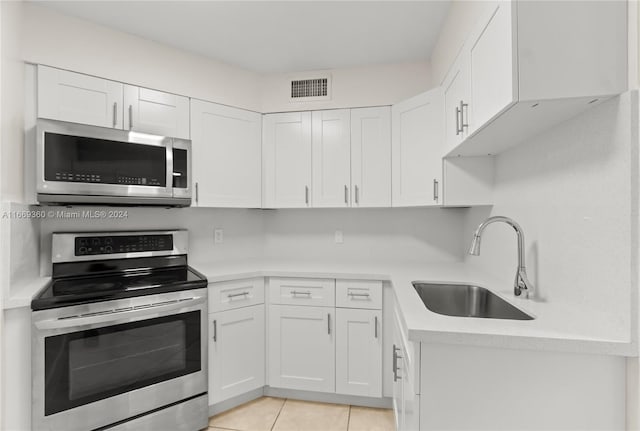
[(104, 281)]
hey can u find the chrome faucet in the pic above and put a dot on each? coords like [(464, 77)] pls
[(521, 282)]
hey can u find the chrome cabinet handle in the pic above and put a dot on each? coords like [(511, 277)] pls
[(357, 195), (458, 131), (215, 331), (435, 190), (296, 293), (235, 295), (130, 117), (462, 123), (396, 377), (306, 195), (363, 295), (346, 195), (329, 323), (375, 325), (196, 193), (115, 113)]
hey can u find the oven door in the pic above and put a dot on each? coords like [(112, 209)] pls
[(75, 159), (97, 364)]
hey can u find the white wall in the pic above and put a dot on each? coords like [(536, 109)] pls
[(70, 43), (12, 102), (355, 87), (571, 191), (370, 235)]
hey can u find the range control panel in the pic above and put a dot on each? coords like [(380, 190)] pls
[(91, 245)]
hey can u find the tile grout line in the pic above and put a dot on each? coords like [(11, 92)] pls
[(278, 415), (349, 418)]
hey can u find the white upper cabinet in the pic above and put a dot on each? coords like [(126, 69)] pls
[(78, 98), (371, 157), (331, 144), (493, 76), (287, 160), (156, 112), (530, 65), (457, 92), (417, 141), (226, 158)]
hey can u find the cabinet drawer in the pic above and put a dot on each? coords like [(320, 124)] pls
[(359, 294), (228, 295), (317, 292)]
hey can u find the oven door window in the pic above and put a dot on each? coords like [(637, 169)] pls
[(90, 160), (87, 366)]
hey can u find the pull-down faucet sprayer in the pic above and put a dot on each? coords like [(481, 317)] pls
[(521, 282)]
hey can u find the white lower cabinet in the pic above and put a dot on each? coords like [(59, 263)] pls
[(359, 352), (302, 347), (236, 352), (406, 398)]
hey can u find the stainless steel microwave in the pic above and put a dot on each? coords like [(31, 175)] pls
[(80, 164)]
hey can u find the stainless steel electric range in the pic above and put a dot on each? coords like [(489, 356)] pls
[(120, 335)]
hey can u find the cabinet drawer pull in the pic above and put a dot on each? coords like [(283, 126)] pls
[(296, 293), (357, 195), (359, 295), (130, 117), (346, 195), (235, 295), (306, 195), (215, 331), (329, 323), (375, 326), (115, 113), (196, 193), (458, 131)]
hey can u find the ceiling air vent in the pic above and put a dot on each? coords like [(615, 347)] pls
[(310, 89)]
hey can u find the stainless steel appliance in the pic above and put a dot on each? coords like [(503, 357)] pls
[(76, 163), (120, 335)]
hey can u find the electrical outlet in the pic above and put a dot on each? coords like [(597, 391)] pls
[(218, 236), (338, 237)]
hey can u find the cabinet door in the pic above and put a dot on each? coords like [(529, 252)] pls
[(236, 352), (417, 136), (77, 98), (156, 112), (287, 160), (359, 352), (397, 388), (371, 157), (331, 144), (494, 85), (457, 102), (226, 145), (302, 348)]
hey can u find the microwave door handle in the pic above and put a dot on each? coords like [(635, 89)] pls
[(118, 314)]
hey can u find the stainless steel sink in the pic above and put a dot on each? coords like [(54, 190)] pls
[(466, 301)]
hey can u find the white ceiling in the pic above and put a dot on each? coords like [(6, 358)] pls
[(283, 36)]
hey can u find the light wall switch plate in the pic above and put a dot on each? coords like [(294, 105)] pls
[(218, 236), (338, 237)]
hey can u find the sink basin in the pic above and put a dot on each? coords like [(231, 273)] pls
[(466, 300)]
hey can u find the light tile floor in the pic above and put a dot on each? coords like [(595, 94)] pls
[(279, 414)]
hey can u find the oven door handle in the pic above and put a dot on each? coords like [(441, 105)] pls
[(118, 314)]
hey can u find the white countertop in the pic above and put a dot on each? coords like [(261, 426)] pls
[(556, 327)]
